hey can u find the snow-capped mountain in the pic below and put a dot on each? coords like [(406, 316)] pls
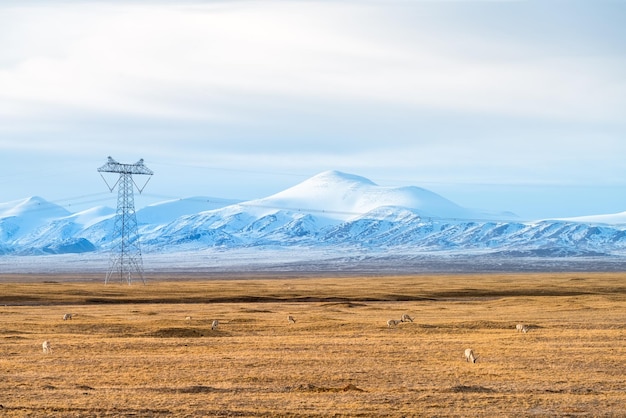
[(331, 210), (340, 196), (22, 217)]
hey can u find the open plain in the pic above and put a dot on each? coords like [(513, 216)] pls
[(149, 350)]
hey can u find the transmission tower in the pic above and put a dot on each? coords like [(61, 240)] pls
[(126, 253)]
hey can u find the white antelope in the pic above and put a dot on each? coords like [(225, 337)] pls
[(47, 349), (406, 318), (291, 319), (187, 318), (67, 316), (393, 322), (521, 328), (469, 355), (215, 324)]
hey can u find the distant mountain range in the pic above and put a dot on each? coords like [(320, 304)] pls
[(329, 210)]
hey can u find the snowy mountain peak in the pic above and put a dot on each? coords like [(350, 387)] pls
[(328, 184), (34, 206), (331, 178), (329, 211), (344, 196)]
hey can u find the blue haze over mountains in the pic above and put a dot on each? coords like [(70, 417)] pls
[(330, 210)]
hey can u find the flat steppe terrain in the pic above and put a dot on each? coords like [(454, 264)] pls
[(131, 351)]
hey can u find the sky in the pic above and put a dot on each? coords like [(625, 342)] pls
[(500, 105)]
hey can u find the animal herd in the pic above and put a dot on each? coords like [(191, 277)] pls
[(469, 353), (394, 322)]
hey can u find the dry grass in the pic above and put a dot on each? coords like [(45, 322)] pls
[(129, 351)]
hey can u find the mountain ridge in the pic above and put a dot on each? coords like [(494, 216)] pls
[(331, 210), (348, 195)]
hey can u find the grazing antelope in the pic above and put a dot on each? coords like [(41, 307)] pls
[(187, 318), (291, 319), (215, 324), (469, 355), (67, 316), (521, 328), (47, 349), (393, 322), (406, 318)]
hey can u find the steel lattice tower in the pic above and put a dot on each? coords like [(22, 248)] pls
[(126, 258)]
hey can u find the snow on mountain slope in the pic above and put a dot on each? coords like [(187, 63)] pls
[(302, 212), (614, 218), (19, 218), (33, 208), (342, 196), (165, 212), (92, 216), (329, 213)]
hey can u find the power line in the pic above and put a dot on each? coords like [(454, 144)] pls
[(223, 202), (85, 199)]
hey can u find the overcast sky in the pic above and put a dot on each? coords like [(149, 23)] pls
[(501, 105)]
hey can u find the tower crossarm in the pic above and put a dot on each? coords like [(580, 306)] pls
[(113, 166)]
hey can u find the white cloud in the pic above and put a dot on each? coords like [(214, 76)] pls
[(187, 62), (454, 92)]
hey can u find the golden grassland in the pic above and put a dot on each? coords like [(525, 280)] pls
[(130, 351)]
